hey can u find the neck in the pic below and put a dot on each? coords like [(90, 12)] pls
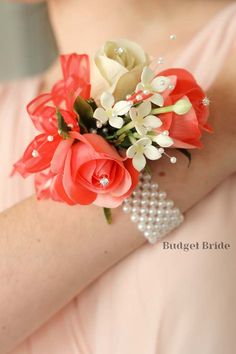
[(83, 26)]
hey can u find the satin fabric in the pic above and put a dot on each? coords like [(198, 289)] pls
[(154, 301)]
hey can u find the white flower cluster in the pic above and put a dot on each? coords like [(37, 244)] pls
[(136, 118)]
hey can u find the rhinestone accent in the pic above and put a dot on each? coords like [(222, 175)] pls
[(119, 51), (154, 214), (206, 101), (104, 181)]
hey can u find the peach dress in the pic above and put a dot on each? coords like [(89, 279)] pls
[(154, 301)]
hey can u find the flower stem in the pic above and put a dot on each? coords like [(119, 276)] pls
[(126, 127), (166, 109)]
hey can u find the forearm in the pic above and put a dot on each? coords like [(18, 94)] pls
[(50, 252)]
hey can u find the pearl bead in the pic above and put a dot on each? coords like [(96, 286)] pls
[(128, 97), (93, 131), (126, 209), (144, 202), (134, 210), (35, 153), (136, 201), (173, 159), (161, 204), (172, 36), (145, 186), (145, 194), (175, 211), (152, 240), (161, 150), (149, 227), (169, 203), (99, 124), (147, 177), (105, 130), (141, 227), (162, 195), (160, 212), (146, 92), (143, 219), (152, 211), (139, 97), (154, 186), (160, 60), (153, 203), (155, 215), (154, 195), (127, 202), (50, 138), (134, 218), (136, 193)]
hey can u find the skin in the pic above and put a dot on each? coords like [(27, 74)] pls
[(50, 252)]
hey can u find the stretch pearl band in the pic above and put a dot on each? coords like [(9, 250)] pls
[(155, 215)]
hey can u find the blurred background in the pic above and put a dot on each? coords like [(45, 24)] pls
[(27, 44)]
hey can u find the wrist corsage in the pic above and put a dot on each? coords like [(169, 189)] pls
[(96, 149)]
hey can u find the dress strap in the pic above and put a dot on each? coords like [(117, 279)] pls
[(206, 53)]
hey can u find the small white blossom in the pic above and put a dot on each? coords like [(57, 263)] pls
[(110, 112), (141, 150), (153, 84), (163, 139), (142, 119)]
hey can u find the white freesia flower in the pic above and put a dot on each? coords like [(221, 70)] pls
[(153, 84), (142, 119), (110, 112), (163, 139), (141, 150), (121, 59)]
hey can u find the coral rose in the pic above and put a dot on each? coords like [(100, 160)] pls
[(185, 130), (89, 171)]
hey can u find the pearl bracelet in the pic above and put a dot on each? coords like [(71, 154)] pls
[(155, 215)]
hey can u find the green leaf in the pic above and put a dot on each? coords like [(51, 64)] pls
[(108, 215), (85, 111), (63, 128), (83, 108), (186, 153)]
